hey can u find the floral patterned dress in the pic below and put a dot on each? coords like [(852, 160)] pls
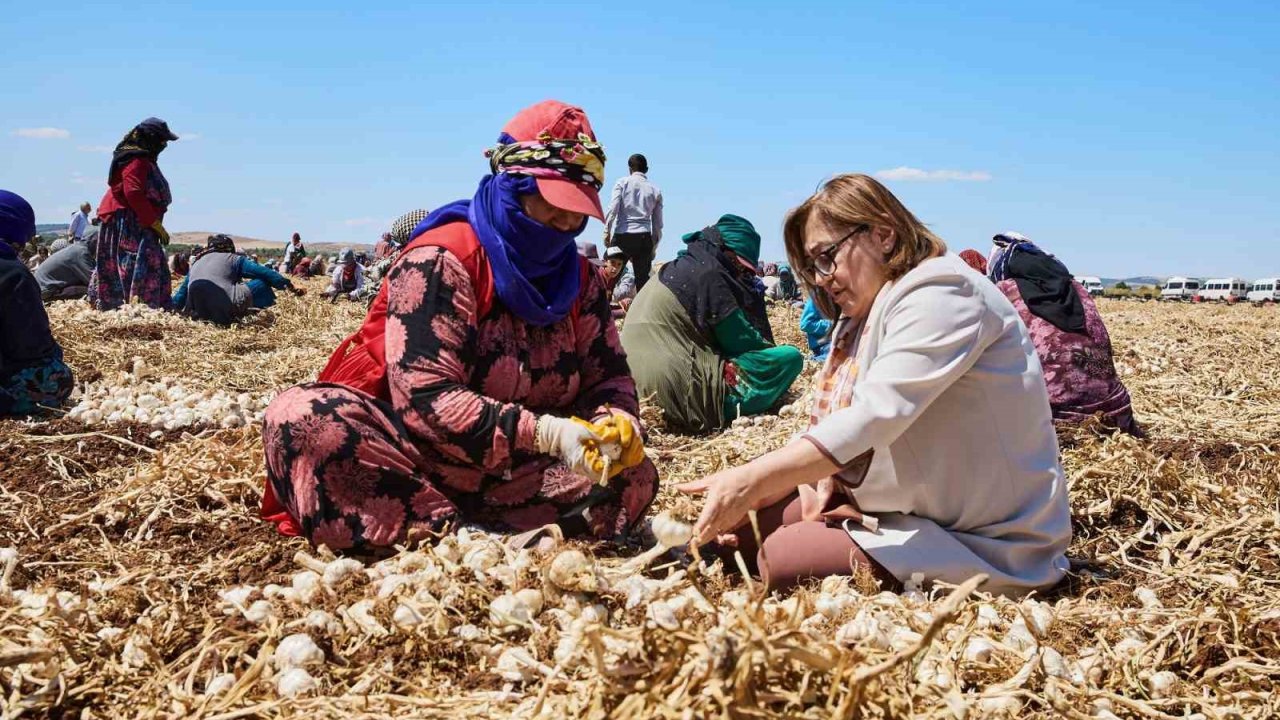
[(130, 261), (1079, 370), (456, 441)]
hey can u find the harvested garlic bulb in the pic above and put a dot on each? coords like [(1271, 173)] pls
[(1053, 665), (361, 615), (297, 650), (295, 682), (573, 571), (341, 571), (670, 533), (509, 612), (978, 650), (1148, 598), (1161, 684), (517, 665), (323, 622), (219, 684)]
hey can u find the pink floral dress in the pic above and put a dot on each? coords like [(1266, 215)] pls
[(456, 442), (1079, 370)]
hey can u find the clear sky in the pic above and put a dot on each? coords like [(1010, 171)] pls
[(1127, 137)]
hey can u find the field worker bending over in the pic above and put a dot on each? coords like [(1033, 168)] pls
[(32, 374), (460, 398), (699, 338), (224, 286), (66, 274), (347, 277), (931, 447), (1070, 337)]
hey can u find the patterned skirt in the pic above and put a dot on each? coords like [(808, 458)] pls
[(36, 388), (348, 471), (130, 264)]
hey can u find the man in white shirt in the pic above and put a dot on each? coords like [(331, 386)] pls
[(634, 219), (79, 222)]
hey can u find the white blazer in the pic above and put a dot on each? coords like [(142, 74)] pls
[(950, 395)]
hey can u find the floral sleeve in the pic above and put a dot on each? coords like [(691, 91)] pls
[(431, 330), (606, 377)]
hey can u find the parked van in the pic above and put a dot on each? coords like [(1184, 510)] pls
[(1179, 288), (1224, 289), (1092, 284), (1265, 290)]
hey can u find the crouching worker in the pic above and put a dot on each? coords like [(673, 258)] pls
[(347, 279), (931, 448), (699, 338), (1070, 337), (32, 374), (224, 286), (65, 275), (487, 380)]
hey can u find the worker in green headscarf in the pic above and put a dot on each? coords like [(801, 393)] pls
[(698, 340)]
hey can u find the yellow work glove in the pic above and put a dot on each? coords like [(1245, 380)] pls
[(161, 232), (619, 440)]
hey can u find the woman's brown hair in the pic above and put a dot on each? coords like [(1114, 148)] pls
[(845, 202)]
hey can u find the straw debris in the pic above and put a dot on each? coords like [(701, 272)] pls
[(138, 581)]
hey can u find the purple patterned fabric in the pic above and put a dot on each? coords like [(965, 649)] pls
[(1078, 367)]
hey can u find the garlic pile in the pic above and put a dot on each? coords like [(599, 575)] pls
[(125, 316), (163, 403)]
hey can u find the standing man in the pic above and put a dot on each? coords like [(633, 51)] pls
[(79, 222), (634, 220)]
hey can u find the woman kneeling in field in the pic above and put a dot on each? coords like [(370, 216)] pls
[(459, 399), (931, 447), (1069, 335), (700, 336)]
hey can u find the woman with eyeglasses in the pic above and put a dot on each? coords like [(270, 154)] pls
[(931, 447), (699, 339)]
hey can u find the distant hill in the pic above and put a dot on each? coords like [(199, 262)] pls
[(1133, 281), (199, 238)]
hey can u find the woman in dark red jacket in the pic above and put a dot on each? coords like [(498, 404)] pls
[(130, 261)]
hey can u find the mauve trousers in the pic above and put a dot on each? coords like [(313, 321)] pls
[(796, 550)]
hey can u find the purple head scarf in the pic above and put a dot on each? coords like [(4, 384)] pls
[(17, 223), (536, 270)]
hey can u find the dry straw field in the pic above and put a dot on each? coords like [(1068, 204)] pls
[(138, 582)]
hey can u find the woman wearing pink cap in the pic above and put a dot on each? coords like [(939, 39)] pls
[(488, 384)]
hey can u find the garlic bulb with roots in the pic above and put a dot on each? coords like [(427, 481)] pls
[(515, 664), (511, 612), (219, 684), (295, 682), (361, 616), (1161, 684), (297, 650), (574, 571)]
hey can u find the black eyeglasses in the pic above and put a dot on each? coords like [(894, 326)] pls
[(824, 263)]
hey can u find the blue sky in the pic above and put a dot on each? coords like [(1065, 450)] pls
[(1128, 138)]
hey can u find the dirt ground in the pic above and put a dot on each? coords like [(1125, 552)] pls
[(125, 537)]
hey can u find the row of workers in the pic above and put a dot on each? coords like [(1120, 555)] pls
[(489, 377)]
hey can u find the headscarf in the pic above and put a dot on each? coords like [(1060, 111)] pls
[(710, 283), (1045, 284), (404, 225), (536, 270), (147, 139), (974, 260), (770, 269), (219, 243), (17, 223), (787, 280)]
